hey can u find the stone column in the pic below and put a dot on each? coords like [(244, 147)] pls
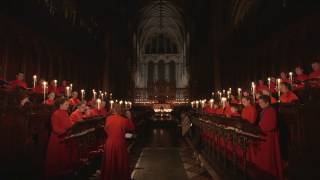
[(166, 72), (155, 71)]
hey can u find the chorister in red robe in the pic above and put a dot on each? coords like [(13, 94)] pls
[(115, 161), (60, 156), (74, 101), (49, 101), (76, 116), (249, 113), (268, 156), (288, 97), (314, 74)]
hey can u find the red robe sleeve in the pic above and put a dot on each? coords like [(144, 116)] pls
[(249, 113), (60, 121), (268, 120), (76, 116)]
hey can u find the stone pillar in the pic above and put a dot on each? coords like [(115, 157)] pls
[(167, 72), (155, 71)]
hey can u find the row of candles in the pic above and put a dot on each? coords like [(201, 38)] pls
[(221, 94), (69, 89), (201, 103)]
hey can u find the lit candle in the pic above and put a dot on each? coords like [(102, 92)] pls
[(130, 105), (71, 87), (224, 102), (212, 94), (94, 94), (55, 83), (102, 95), (239, 93), (253, 86), (192, 104), (111, 104), (223, 92), (110, 95), (278, 87), (68, 91), (220, 95), (291, 78), (34, 80), (44, 85), (230, 90), (229, 93), (202, 103), (197, 104), (82, 94), (99, 103), (269, 83), (211, 103)]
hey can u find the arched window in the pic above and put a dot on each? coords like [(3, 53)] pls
[(161, 44)]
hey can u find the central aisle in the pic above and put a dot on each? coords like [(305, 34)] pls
[(166, 157)]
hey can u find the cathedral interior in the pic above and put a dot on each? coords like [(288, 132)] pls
[(174, 64)]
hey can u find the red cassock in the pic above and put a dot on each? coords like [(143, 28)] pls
[(300, 78), (74, 101), (38, 89), (314, 75), (268, 157), (54, 89), (76, 116), (220, 111), (209, 110), (49, 102), (249, 113), (62, 89), (115, 161), (273, 86), (273, 100), (260, 88), (60, 156), (288, 97), (227, 111), (18, 83)]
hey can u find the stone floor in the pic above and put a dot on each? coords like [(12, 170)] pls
[(167, 157)]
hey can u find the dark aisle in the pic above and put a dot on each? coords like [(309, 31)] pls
[(165, 156)]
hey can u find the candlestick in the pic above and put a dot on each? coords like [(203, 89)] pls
[(224, 102), (220, 95), (82, 94), (34, 80), (211, 103), (228, 94), (94, 94), (202, 103), (55, 83), (291, 78), (111, 104), (99, 103), (44, 85), (278, 87), (253, 91), (68, 91), (239, 93)]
